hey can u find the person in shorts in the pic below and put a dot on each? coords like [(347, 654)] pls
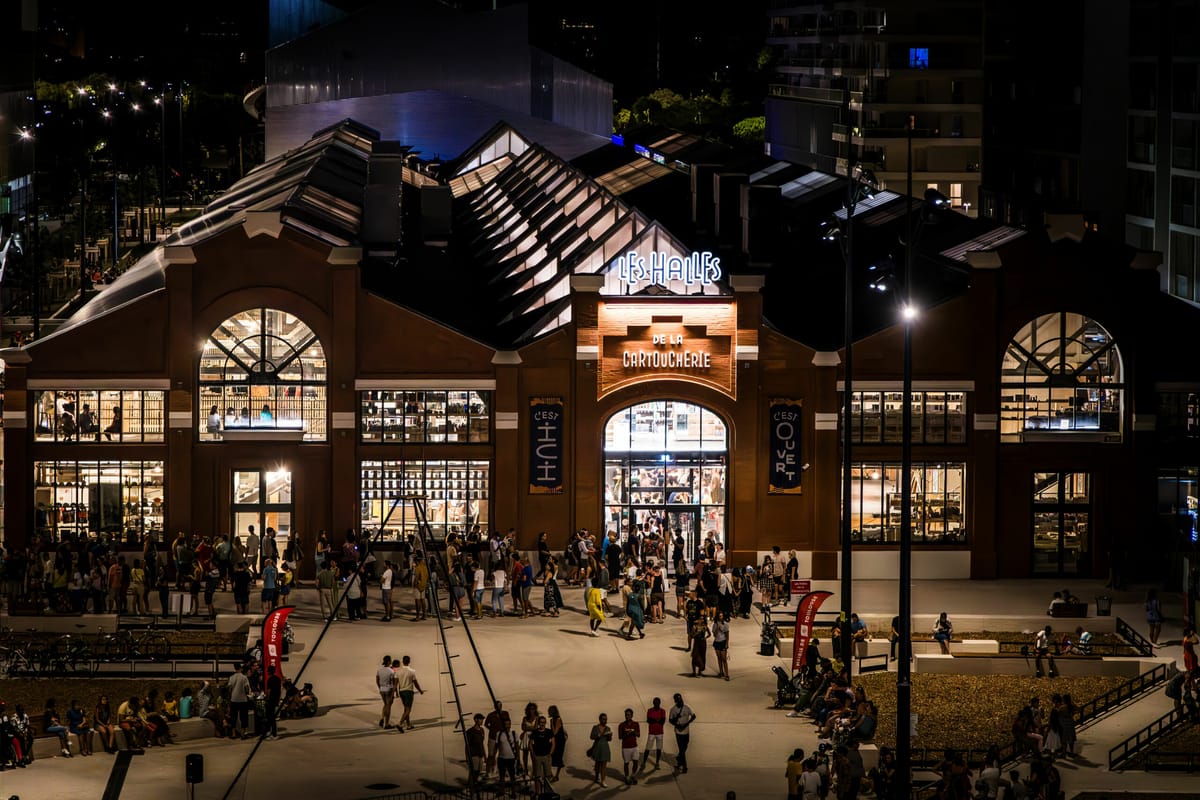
[(477, 748), (385, 681), (656, 716), (385, 586), (406, 682), (629, 732), (541, 747)]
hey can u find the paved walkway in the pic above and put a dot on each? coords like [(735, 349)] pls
[(738, 741)]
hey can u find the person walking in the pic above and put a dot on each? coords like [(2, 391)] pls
[(681, 718), (494, 723), (499, 577), (325, 582), (406, 682), (385, 681), (699, 646), (600, 751), (629, 732), (420, 587), (595, 607), (239, 701), (720, 643)]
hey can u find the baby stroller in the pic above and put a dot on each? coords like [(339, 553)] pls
[(787, 688)]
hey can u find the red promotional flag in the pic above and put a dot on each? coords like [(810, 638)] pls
[(805, 614), (272, 636)]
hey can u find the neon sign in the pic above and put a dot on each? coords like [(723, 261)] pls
[(696, 269)]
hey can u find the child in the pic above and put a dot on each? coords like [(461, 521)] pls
[(185, 704), (170, 708)]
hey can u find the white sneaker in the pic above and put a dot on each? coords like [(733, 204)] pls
[(793, 714)]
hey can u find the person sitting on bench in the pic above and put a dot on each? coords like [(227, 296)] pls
[(1042, 647), (1083, 642), (1057, 600)]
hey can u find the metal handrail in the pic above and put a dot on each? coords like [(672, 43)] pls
[(1172, 760), (1135, 639), (1137, 685), (1131, 746)]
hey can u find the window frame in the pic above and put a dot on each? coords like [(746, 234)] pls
[(48, 420), (923, 503), (465, 412)]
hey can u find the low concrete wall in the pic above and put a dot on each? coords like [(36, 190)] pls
[(922, 624), (62, 623)]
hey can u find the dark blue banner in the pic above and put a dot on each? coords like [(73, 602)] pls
[(545, 445), (784, 468)]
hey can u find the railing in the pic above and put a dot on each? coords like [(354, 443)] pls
[(1163, 760), (1140, 684), (1135, 639), (1131, 746), (813, 93), (490, 791)]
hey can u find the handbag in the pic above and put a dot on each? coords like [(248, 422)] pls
[(590, 750)]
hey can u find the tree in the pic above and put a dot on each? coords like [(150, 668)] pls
[(751, 129)]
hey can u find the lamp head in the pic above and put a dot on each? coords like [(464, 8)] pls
[(831, 229), (936, 199), (909, 312)]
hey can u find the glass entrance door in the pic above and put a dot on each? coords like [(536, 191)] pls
[(666, 466), (262, 498), (1061, 521)]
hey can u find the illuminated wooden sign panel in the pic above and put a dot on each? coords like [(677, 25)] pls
[(690, 340)]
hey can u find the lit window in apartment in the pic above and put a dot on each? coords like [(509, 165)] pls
[(918, 58), (956, 195), (933, 186)]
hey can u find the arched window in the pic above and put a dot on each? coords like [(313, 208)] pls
[(1061, 375), (262, 370)]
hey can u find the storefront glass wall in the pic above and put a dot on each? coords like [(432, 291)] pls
[(1179, 501), (665, 467), (76, 500), (937, 503), (937, 417), (456, 495), (99, 415), (1061, 521), (262, 369), (1061, 374), (426, 416)]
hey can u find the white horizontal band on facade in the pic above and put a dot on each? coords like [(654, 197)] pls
[(918, 386), (507, 420), (342, 420), (1144, 422), (65, 384), (747, 352), (180, 419), (15, 419), (478, 384), (987, 422), (825, 421), (587, 352)]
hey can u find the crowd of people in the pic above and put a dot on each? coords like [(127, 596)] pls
[(535, 747)]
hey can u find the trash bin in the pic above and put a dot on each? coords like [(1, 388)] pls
[(1103, 605)]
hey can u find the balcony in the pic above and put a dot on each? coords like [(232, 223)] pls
[(811, 94)]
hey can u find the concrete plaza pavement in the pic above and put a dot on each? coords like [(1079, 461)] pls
[(739, 742)]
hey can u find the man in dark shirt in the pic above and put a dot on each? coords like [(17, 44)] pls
[(494, 725), (274, 689), (541, 745), (629, 732), (693, 611), (477, 747)]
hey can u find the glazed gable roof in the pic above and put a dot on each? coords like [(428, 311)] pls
[(315, 189)]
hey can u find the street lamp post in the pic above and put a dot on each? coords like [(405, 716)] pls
[(27, 135), (161, 102)]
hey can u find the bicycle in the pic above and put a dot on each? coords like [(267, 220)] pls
[(124, 646), (69, 653)]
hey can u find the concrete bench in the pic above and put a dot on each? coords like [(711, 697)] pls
[(1011, 664), (47, 745), (1075, 610), (184, 730)]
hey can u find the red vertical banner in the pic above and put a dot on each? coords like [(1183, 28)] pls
[(272, 636), (806, 612)]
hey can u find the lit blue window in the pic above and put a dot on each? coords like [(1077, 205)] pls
[(918, 57)]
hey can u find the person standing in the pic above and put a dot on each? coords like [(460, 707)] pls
[(1154, 615), (1190, 640), (699, 646), (420, 587), (499, 576), (601, 751), (325, 582), (406, 682), (656, 716), (560, 741), (541, 748), (795, 768), (720, 644), (274, 690), (252, 550), (494, 723), (239, 701), (629, 732), (385, 681), (681, 718), (476, 748), (595, 607), (385, 587), (269, 574)]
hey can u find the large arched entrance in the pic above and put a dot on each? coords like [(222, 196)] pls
[(665, 468)]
